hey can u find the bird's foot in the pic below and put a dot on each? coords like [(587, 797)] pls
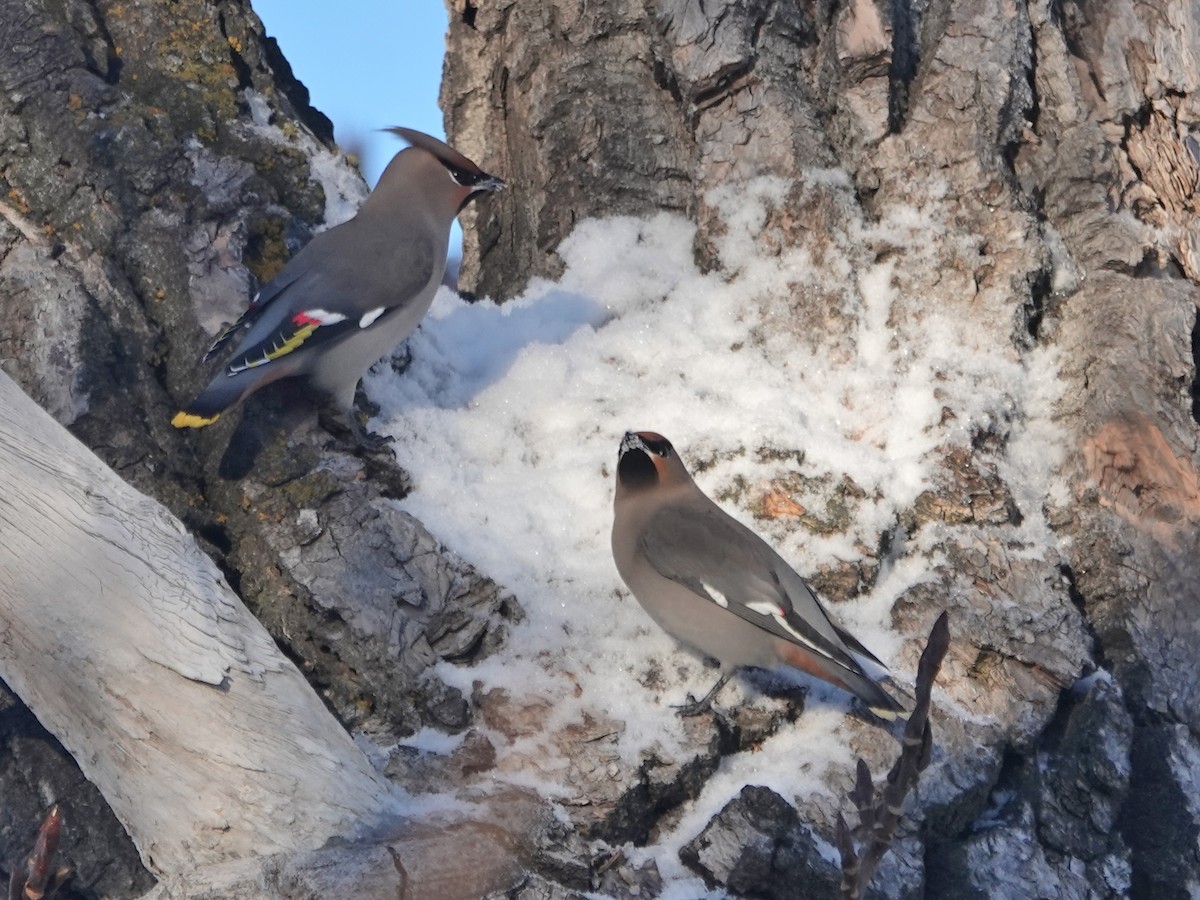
[(695, 707), (365, 403), (369, 441), (351, 433)]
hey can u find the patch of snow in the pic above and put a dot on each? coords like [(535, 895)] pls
[(260, 109), (509, 418), (1066, 274), (1085, 684), (341, 182), (430, 740)]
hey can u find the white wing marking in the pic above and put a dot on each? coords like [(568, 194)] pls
[(783, 623), (720, 599), (369, 318), (765, 609), (324, 316)]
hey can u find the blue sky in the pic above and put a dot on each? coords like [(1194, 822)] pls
[(367, 65)]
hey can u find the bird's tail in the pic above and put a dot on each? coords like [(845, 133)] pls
[(879, 701), (189, 418), (870, 693), (854, 646), (219, 396), (859, 683)]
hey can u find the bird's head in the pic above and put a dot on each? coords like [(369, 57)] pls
[(647, 460), (466, 181)]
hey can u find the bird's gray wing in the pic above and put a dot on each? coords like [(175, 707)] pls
[(337, 286), (258, 306), (724, 562)]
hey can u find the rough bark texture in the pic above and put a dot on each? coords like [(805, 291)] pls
[(1054, 144), (35, 768), (156, 161)]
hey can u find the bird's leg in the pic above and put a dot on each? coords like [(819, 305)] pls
[(363, 402), (368, 440), (339, 422), (696, 707)]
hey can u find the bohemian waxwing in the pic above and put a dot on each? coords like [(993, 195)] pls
[(716, 586), (353, 292)]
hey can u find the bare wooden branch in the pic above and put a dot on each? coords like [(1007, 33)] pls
[(878, 818), (206, 740), (863, 797), (41, 879), (845, 845)]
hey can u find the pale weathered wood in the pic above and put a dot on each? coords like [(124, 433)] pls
[(216, 755), (133, 650), (459, 861)]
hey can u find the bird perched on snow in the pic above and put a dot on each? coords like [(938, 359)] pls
[(353, 292), (716, 586)]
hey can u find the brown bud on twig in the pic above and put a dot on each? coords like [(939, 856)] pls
[(36, 878)]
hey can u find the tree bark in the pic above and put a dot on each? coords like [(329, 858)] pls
[(157, 161), (1051, 150)]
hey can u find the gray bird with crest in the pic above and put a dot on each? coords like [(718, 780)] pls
[(354, 292), (716, 586)]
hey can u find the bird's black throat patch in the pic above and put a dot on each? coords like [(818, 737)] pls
[(636, 470)]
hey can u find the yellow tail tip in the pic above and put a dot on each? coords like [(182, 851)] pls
[(886, 713), (190, 420)]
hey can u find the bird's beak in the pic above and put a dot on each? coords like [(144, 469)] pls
[(491, 184), (632, 441)]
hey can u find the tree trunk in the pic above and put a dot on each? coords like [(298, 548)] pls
[(1011, 190), (157, 160), (1048, 153), (207, 742)]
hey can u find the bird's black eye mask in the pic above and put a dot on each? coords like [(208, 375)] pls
[(465, 178), (478, 182), (660, 447)]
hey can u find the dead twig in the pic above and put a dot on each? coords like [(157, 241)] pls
[(878, 817), (35, 878)]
